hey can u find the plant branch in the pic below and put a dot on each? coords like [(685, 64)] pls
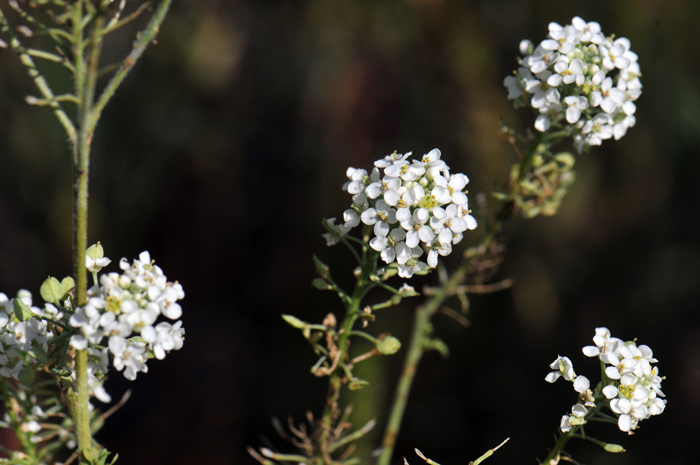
[(38, 79), (144, 39)]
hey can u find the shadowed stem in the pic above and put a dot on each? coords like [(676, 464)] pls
[(421, 337), (555, 454), (335, 383)]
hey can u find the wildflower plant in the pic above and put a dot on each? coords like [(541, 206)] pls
[(412, 211), (404, 214), (54, 357)]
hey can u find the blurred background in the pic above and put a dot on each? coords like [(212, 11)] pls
[(228, 144)]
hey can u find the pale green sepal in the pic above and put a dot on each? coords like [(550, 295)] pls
[(95, 251)]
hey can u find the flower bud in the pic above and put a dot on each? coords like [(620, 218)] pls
[(614, 448), (294, 321), (388, 345)]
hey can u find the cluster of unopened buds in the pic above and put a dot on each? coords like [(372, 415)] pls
[(580, 76), (121, 318), (411, 206), (631, 385)]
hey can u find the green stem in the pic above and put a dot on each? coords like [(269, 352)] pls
[(416, 349), (335, 383), (86, 82), (420, 337), (555, 454), (147, 36)]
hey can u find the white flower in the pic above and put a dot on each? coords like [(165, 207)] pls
[(128, 356), (633, 386), (563, 367), (595, 75), (408, 203)]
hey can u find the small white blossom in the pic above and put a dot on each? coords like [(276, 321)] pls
[(414, 206), (595, 74), (632, 384)]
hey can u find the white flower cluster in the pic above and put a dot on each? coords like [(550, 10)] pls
[(128, 303), (635, 386), (19, 338), (632, 387), (582, 76), (411, 205)]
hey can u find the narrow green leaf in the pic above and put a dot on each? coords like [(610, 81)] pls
[(27, 375), (321, 284), (357, 384), (321, 268), (439, 346)]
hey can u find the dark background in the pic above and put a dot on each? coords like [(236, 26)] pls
[(228, 144)]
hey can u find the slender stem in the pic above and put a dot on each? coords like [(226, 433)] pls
[(86, 81), (335, 383), (144, 39), (416, 349), (39, 80), (420, 337), (554, 455)]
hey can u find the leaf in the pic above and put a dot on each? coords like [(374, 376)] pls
[(321, 284), (27, 375), (51, 290), (39, 354), (321, 268), (356, 384), (439, 346), (22, 312)]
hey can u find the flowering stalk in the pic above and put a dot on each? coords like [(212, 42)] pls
[(421, 336), (85, 36), (352, 313)]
